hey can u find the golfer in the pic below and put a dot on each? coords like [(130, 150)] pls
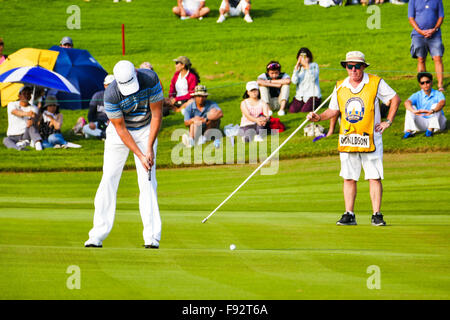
[(133, 104), (360, 137)]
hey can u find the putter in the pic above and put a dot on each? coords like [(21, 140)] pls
[(270, 157)]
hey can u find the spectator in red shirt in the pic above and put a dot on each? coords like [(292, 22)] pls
[(183, 84)]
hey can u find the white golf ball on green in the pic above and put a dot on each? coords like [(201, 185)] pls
[(232, 247)]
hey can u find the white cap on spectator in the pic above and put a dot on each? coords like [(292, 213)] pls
[(126, 77), (252, 85), (108, 79)]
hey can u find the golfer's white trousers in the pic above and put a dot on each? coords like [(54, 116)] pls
[(115, 156)]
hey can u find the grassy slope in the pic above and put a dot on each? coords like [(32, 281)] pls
[(226, 55), (283, 226)]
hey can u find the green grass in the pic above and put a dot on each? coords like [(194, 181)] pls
[(288, 246), (226, 56)]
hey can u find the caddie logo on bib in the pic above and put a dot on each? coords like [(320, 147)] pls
[(357, 117)]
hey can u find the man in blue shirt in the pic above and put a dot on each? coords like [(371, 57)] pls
[(426, 17), (133, 104), (199, 116), (424, 109)]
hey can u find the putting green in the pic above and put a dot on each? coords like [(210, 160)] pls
[(288, 246)]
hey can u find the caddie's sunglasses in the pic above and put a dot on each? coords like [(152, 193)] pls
[(357, 66), (427, 82)]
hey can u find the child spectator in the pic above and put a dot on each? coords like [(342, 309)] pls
[(255, 114)]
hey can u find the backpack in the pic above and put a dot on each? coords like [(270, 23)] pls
[(275, 124)]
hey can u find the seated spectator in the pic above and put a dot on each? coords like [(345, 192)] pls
[(146, 65), (274, 87), (235, 8), (50, 123), (255, 114), (193, 9), (424, 109), (182, 85), (66, 42), (22, 129), (98, 120), (306, 79), (2, 56), (199, 116)]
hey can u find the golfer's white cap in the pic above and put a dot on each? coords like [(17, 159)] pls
[(108, 79), (252, 85), (126, 77)]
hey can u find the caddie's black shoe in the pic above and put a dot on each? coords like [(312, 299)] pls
[(377, 220), (91, 245), (347, 219)]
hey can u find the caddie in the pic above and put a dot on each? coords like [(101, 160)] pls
[(356, 99)]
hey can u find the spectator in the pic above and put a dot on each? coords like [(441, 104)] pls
[(183, 84), (50, 123), (274, 87), (146, 65), (201, 115), (306, 79), (66, 42), (193, 9), (424, 109), (2, 56), (255, 114), (22, 129), (98, 120), (426, 17), (235, 8)]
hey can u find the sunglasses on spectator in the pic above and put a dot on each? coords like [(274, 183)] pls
[(1, 43), (426, 81), (357, 66)]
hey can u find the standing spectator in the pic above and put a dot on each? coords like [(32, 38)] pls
[(235, 8), (360, 138), (255, 114), (22, 129), (2, 56), (199, 116), (426, 17), (274, 87), (98, 120), (424, 109), (133, 103), (50, 123), (183, 84), (193, 9), (66, 42)]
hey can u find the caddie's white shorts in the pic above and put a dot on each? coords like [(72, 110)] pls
[(351, 164)]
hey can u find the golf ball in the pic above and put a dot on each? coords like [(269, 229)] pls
[(232, 247)]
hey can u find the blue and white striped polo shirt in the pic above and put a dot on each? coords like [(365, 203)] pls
[(135, 108)]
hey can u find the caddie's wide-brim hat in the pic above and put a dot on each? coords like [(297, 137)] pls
[(354, 56)]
